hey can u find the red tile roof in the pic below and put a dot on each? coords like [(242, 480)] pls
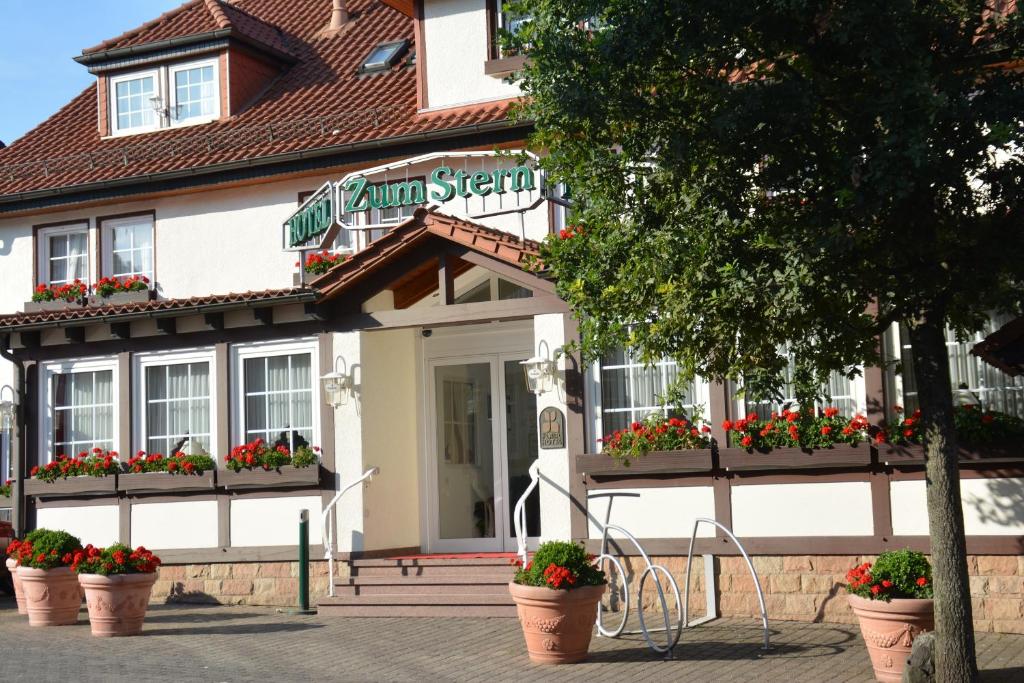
[(319, 103), (192, 18), (408, 235), (137, 309)]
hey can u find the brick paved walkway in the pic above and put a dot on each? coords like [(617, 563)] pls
[(185, 643)]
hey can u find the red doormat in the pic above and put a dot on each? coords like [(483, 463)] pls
[(455, 556)]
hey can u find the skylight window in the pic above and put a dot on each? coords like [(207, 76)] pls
[(384, 56)]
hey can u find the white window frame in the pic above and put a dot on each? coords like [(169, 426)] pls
[(107, 228), (172, 92), (47, 400), (593, 398), (143, 362), (43, 246), (742, 408), (158, 90), (243, 352)]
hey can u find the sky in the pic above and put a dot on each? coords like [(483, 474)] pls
[(37, 73)]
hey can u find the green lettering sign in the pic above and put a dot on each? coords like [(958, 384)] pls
[(313, 219)]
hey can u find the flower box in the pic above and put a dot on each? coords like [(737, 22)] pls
[(840, 455), (6, 502), (655, 462), (72, 486), (121, 298), (285, 476), (912, 455), (46, 306), (150, 482)]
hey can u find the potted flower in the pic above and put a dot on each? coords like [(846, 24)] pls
[(12, 567), (89, 472), (51, 590), (655, 445), (258, 464), (126, 290), (795, 438), (556, 596), (57, 297), (179, 472), (319, 263), (892, 599), (117, 582)]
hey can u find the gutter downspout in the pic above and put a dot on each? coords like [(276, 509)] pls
[(18, 513)]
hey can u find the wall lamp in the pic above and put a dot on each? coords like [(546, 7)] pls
[(540, 371), (337, 385), (8, 408)]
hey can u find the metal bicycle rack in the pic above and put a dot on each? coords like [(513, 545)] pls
[(673, 633)]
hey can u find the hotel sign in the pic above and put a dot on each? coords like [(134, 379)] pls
[(477, 184)]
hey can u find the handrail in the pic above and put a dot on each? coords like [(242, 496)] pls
[(327, 521), (519, 513)]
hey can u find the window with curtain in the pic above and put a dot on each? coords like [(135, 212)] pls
[(629, 391), (974, 381), (83, 412), (843, 391), (131, 246), (67, 256), (279, 399), (177, 407)]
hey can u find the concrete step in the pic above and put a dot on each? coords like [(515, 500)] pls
[(442, 599), (477, 567), (422, 585), (328, 609)]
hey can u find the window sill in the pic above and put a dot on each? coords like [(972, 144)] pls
[(499, 68)]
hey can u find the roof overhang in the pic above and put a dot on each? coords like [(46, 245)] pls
[(96, 60)]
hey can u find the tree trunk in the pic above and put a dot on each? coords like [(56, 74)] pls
[(954, 626)]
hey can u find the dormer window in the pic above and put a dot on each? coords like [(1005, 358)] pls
[(167, 96)]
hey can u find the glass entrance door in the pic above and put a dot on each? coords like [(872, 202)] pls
[(484, 441)]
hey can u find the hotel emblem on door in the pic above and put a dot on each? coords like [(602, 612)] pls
[(552, 428)]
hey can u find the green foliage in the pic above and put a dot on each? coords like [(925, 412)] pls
[(656, 433), (47, 549), (259, 454), (560, 565), (777, 173), (895, 574), (179, 463)]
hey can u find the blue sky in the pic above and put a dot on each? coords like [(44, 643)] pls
[(37, 73)]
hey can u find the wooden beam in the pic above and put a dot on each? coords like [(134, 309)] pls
[(121, 330), (167, 325), (75, 335), (315, 311), (446, 279), (264, 315), (215, 321), (30, 339)]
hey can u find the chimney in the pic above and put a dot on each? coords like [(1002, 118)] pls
[(339, 19)]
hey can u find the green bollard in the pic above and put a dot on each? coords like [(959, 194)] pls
[(303, 607)]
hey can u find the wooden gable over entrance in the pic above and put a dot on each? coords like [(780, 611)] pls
[(424, 255)]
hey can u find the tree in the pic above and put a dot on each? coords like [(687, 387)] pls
[(789, 173)]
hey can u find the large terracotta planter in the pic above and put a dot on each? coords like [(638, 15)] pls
[(53, 596), (19, 595), (557, 624), (117, 603), (889, 629)]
